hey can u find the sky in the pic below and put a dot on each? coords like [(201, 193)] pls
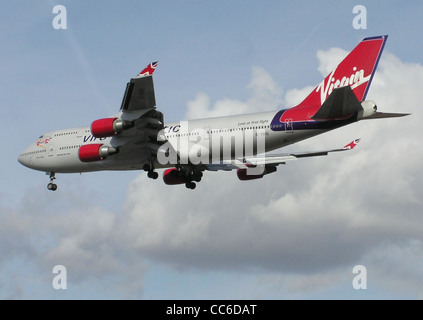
[(295, 234)]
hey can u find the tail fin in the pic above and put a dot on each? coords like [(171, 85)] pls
[(355, 71)]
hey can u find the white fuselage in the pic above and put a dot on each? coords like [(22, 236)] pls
[(203, 140)]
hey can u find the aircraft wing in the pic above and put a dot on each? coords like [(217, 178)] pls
[(282, 158), (139, 93), (273, 159), (142, 138)]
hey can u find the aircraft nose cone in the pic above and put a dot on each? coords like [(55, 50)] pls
[(24, 159), (21, 159)]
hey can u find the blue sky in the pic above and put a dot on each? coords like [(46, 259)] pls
[(295, 234)]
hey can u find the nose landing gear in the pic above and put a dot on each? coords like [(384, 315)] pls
[(52, 186)]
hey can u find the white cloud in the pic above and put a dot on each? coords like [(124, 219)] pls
[(266, 95), (295, 96), (329, 59), (200, 107), (82, 239)]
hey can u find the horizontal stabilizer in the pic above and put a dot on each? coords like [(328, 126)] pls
[(381, 115), (340, 103)]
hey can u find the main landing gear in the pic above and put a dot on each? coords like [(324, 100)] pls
[(52, 186), (190, 185), (150, 171), (191, 177)]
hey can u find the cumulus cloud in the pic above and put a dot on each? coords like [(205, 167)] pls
[(266, 95), (81, 237), (200, 107), (329, 59)]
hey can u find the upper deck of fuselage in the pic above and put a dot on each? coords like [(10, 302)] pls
[(50, 143)]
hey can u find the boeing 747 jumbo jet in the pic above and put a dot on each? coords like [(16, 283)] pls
[(137, 137)]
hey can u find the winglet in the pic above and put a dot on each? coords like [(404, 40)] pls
[(148, 71), (351, 145)]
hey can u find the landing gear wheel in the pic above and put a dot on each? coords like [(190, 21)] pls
[(52, 186), (190, 185), (152, 175)]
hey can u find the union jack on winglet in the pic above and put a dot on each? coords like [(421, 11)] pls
[(149, 70), (351, 145)]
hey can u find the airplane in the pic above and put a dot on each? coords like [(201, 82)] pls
[(137, 138)]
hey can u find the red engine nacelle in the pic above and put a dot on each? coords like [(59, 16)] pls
[(108, 127), (95, 152), (171, 176)]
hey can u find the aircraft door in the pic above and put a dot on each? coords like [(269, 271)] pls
[(50, 149), (289, 128)]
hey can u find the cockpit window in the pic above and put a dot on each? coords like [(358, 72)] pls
[(41, 137)]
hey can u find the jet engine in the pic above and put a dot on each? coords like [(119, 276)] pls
[(172, 176), (244, 175), (108, 127), (95, 152)]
